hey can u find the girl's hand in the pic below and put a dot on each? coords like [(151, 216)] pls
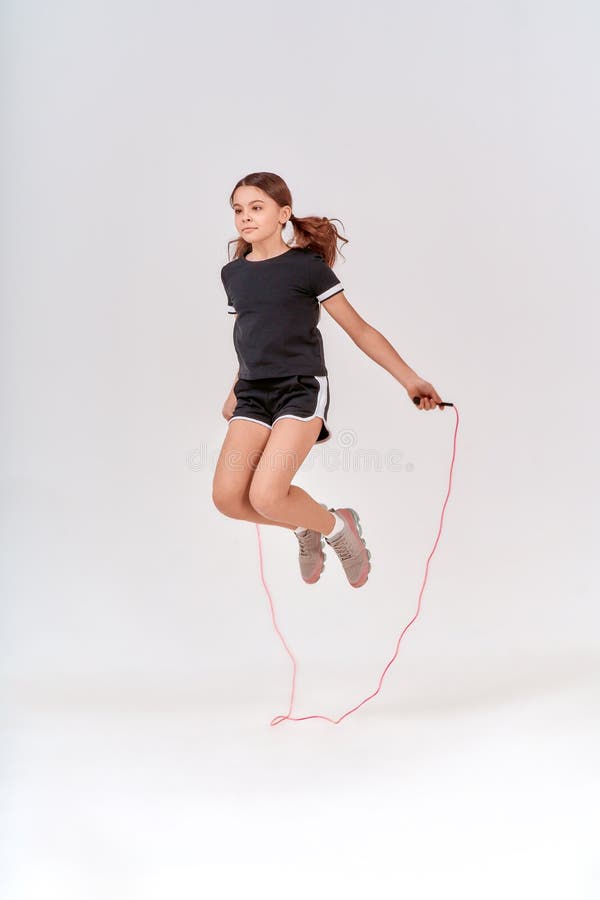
[(229, 406), (417, 387)]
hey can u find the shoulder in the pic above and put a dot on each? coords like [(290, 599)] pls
[(311, 254), (318, 268), (306, 261), (315, 260), (230, 267), (312, 261)]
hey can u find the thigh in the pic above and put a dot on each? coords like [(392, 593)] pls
[(286, 449), (239, 457)]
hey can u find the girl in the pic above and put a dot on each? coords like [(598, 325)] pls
[(277, 407)]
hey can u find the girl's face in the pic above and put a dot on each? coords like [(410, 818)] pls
[(257, 216)]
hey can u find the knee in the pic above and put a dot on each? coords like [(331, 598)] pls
[(264, 500), (227, 502)]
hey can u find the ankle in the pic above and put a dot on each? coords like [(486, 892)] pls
[(337, 528)]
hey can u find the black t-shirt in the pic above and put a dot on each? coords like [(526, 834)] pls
[(278, 302)]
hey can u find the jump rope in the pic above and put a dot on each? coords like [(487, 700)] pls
[(278, 719)]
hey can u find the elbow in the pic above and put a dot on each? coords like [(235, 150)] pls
[(363, 334)]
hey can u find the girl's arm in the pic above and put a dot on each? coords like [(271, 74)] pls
[(231, 401), (236, 379), (379, 349)]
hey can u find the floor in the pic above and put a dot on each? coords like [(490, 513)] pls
[(186, 792)]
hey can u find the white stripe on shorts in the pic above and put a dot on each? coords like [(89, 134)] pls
[(320, 407)]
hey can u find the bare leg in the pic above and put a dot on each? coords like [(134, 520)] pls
[(299, 506), (271, 493), (247, 513), (239, 458)]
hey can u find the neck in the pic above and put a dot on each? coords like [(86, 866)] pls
[(266, 249)]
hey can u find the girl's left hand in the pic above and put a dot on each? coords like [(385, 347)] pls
[(430, 398)]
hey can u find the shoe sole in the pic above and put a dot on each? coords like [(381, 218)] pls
[(364, 574)]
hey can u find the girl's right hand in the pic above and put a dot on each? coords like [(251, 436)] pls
[(229, 406)]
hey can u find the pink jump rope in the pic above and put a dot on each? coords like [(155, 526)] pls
[(278, 719)]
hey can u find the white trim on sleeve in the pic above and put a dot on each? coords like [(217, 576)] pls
[(335, 289)]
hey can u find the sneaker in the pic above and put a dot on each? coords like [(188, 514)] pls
[(311, 556), (351, 549)]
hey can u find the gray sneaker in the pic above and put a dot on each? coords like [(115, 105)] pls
[(311, 556), (351, 548)]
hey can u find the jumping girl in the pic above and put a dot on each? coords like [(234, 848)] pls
[(277, 408)]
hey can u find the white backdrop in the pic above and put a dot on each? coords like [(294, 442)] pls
[(458, 144)]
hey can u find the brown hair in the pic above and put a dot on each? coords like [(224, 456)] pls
[(318, 234)]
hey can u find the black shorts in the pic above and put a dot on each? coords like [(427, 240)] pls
[(265, 400)]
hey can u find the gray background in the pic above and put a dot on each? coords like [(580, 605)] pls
[(458, 143)]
